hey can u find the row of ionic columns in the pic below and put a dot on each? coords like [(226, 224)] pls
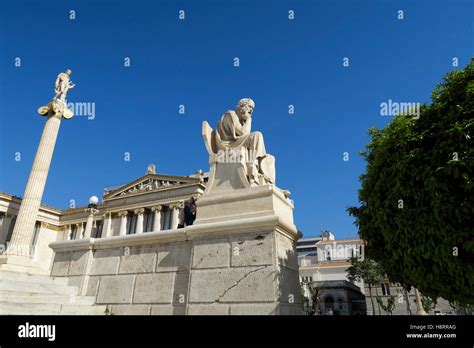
[(158, 215), (160, 218)]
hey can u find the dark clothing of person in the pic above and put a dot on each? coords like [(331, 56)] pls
[(189, 216)]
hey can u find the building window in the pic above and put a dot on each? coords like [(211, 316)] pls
[(328, 256), (385, 289), (329, 303), (340, 303), (36, 233)]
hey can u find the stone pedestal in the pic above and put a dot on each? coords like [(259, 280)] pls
[(238, 258), (245, 246)]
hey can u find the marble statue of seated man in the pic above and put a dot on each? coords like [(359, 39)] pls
[(233, 135)]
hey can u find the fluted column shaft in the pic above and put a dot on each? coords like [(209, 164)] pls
[(108, 225), (89, 223), (24, 228), (80, 230), (156, 218), (174, 215), (139, 228), (123, 223)]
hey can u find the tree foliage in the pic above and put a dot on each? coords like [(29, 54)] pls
[(416, 199), (368, 271), (389, 307)]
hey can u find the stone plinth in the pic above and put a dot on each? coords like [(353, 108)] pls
[(235, 260)]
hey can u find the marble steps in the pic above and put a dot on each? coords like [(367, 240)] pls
[(9, 308), (33, 297), (23, 269), (37, 287), (30, 293), (32, 277)]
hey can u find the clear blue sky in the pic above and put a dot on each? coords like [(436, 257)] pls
[(190, 62)]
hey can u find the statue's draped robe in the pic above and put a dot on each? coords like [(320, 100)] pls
[(232, 135)]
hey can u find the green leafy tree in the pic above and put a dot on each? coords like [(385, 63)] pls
[(368, 271), (389, 307), (315, 294), (416, 210), (428, 303)]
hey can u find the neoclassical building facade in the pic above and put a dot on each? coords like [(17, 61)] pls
[(149, 203)]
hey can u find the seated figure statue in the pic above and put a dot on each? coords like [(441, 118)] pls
[(233, 142)]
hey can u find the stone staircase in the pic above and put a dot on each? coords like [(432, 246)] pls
[(31, 291)]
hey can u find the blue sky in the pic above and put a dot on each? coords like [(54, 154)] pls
[(190, 62)]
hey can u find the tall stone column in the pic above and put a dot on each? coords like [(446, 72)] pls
[(156, 217), (23, 232), (139, 212), (123, 223), (419, 306), (24, 228)]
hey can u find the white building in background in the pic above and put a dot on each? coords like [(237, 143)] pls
[(323, 261)]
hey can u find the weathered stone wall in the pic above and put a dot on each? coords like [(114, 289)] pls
[(173, 272)]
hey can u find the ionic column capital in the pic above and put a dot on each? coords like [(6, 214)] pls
[(139, 211), (92, 211), (157, 208), (176, 205), (122, 213)]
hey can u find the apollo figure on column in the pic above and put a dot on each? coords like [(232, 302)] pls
[(58, 105), (54, 112), (62, 85)]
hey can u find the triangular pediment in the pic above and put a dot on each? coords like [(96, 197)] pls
[(149, 183)]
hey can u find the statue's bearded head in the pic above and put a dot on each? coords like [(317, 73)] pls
[(245, 108), (69, 72)]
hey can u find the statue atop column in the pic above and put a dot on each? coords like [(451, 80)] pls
[(57, 106), (54, 111), (62, 85)]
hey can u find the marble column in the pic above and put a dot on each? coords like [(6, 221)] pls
[(139, 228), (108, 225), (419, 305), (80, 231), (68, 232), (90, 222), (174, 215), (25, 224), (77, 235), (156, 217), (123, 223)]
